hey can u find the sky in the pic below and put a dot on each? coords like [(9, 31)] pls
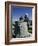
[(17, 12)]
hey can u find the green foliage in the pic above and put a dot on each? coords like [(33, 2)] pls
[(30, 31)]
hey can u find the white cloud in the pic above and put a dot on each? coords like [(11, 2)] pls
[(27, 14)]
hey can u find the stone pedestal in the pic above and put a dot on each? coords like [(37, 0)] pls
[(24, 30)]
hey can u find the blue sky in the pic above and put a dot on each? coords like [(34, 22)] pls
[(17, 12)]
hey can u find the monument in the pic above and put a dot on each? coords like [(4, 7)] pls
[(21, 28), (24, 30)]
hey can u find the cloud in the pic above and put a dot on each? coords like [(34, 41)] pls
[(27, 14)]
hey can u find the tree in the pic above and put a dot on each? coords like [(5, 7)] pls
[(26, 18), (31, 22), (21, 18), (17, 29)]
